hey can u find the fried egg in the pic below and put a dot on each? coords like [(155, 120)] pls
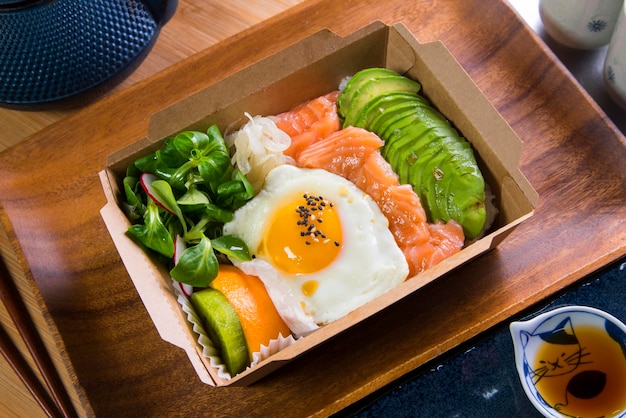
[(321, 246)]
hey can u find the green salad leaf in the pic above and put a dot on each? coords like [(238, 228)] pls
[(197, 266), (188, 188), (153, 233), (232, 247)]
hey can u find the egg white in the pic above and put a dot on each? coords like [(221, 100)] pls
[(368, 264)]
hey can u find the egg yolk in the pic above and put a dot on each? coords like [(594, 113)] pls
[(303, 236)]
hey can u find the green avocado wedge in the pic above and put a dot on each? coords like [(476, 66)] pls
[(355, 82), (223, 327), (382, 105), (393, 115), (373, 88), (449, 185)]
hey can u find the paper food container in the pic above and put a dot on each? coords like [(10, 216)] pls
[(308, 69)]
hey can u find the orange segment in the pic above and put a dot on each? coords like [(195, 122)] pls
[(259, 319)]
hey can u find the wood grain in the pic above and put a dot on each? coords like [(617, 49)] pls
[(14, 397), (57, 401), (186, 33), (20, 366), (573, 156), (16, 400), (195, 26)]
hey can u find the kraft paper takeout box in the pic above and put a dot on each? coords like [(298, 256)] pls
[(312, 67)]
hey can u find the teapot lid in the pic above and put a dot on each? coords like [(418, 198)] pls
[(63, 52)]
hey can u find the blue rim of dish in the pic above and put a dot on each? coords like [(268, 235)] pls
[(62, 53)]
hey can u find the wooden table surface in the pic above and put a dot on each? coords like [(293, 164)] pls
[(50, 199)]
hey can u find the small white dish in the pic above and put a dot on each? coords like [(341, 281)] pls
[(580, 24), (572, 362), (615, 63)]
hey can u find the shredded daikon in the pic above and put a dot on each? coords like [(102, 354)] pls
[(343, 82), (258, 148)]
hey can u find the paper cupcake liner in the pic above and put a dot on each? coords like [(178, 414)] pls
[(208, 348)]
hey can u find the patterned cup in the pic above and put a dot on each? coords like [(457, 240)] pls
[(571, 362), (615, 63), (581, 24)]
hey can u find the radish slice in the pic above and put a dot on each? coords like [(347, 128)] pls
[(185, 289), (179, 247), (146, 180)]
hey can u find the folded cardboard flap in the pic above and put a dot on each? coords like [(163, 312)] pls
[(150, 278), (305, 70), (280, 81)]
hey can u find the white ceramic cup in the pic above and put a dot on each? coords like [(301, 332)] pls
[(571, 362), (615, 63), (581, 24)]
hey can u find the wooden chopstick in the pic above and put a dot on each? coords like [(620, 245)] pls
[(14, 304), (26, 375)]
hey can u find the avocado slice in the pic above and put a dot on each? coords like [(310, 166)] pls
[(383, 105), (393, 113), (223, 327), (394, 125), (407, 138), (448, 180), (430, 116), (428, 153), (375, 87), (433, 173), (418, 108), (413, 147), (359, 78), (468, 207)]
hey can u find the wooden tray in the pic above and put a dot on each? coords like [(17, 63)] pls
[(573, 155)]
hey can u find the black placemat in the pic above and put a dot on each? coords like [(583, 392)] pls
[(480, 380)]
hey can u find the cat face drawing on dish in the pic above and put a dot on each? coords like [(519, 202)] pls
[(558, 352), (568, 368)]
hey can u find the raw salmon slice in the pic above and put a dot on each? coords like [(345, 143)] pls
[(309, 122), (354, 153)]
